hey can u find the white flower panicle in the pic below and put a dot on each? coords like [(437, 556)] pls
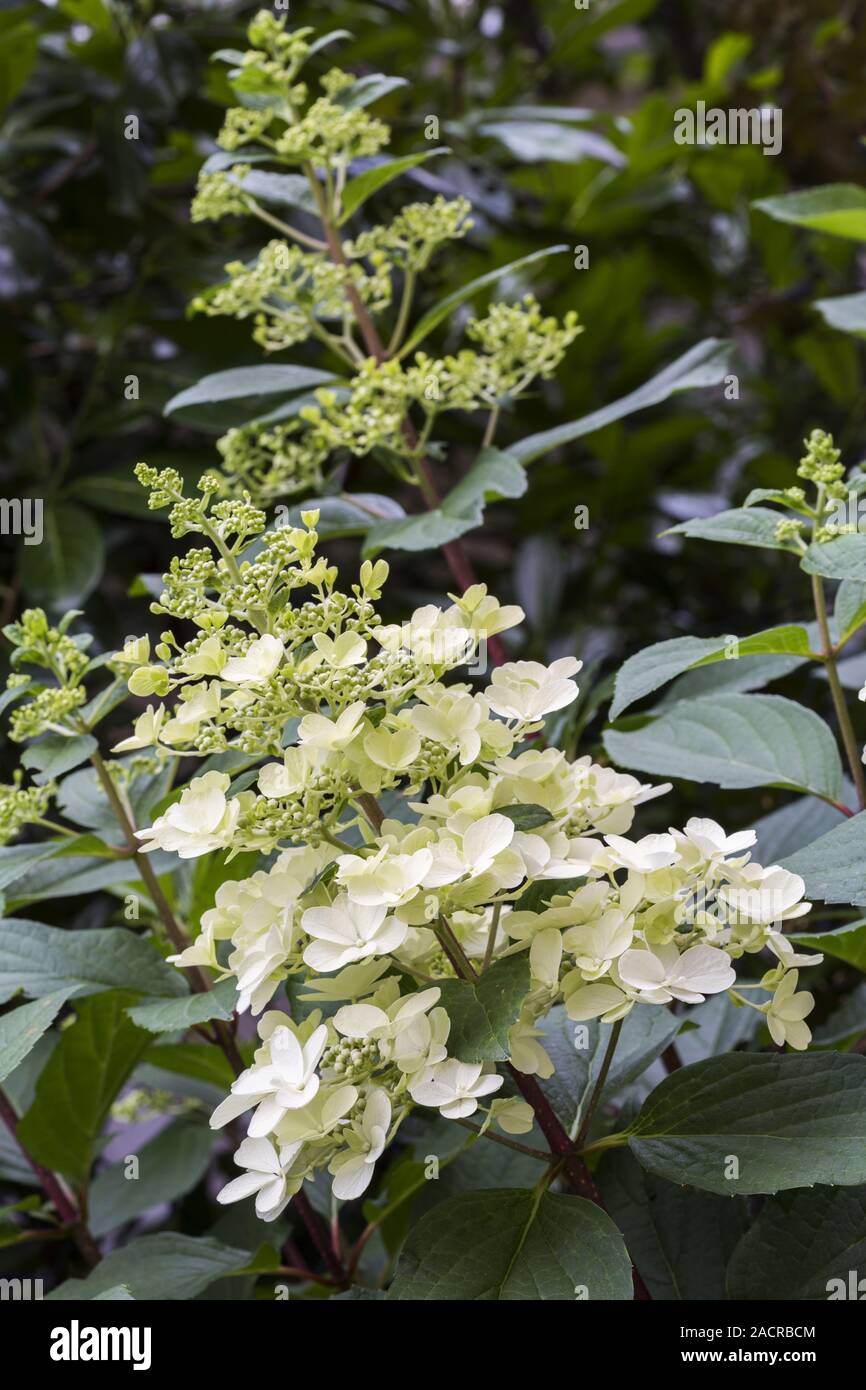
[(495, 851)]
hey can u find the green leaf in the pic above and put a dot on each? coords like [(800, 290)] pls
[(363, 186), (836, 208), (846, 943), (69, 873), (279, 190), (452, 301), (493, 475), (54, 755), (799, 1243), (17, 860), (535, 141), (789, 1121), (706, 364), (788, 829), (160, 1267), (846, 312), (482, 1014), (368, 89), (740, 526), (834, 866), (510, 1246), (250, 392), (168, 1167), (198, 1061), (21, 1029), (168, 1015), (679, 1239), (527, 816), (660, 663), (67, 566), (118, 1294), (348, 514), (849, 610), (842, 558), (41, 960), (774, 494), (81, 1079), (736, 741)]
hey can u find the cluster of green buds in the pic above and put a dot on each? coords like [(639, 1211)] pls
[(820, 465), (302, 286), (20, 806), (45, 701)]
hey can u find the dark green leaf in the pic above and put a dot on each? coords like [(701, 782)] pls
[(510, 1246), (757, 1122), (81, 1079)]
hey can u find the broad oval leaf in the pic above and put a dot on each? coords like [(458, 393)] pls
[(66, 566), (739, 526), (40, 960), (509, 1246), (736, 741), (788, 1121), (78, 1084)]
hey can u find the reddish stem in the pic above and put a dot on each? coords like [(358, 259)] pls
[(54, 1190)]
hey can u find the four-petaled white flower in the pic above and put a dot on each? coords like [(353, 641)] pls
[(348, 931), (200, 821), (385, 879), (481, 843), (643, 856), (258, 663), (705, 840), (662, 974), (454, 1088), (526, 690), (332, 735), (349, 649), (786, 1012), (766, 895)]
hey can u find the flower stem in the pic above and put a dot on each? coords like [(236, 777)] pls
[(843, 717), (319, 1237), (54, 1191), (507, 1143), (599, 1084), (176, 934)]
